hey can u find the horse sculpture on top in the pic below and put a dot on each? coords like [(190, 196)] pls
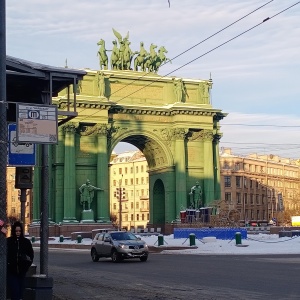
[(103, 59), (149, 60), (160, 59), (139, 60), (122, 56)]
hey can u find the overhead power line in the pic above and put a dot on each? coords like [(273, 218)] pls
[(263, 125), (201, 42), (213, 49), (204, 54)]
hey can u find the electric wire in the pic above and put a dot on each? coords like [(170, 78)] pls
[(201, 42), (206, 53), (213, 49)]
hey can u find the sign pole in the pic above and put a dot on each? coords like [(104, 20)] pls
[(3, 148)]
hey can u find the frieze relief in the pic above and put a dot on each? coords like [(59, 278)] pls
[(195, 135), (165, 135)]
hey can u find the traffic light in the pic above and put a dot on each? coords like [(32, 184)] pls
[(23, 178), (121, 193)]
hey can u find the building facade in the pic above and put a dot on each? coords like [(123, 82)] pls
[(129, 190), (260, 187)]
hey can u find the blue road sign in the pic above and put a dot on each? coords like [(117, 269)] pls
[(19, 154)]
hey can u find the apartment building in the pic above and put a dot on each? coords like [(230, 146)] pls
[(129, 182), (259, 186), (13, 199)]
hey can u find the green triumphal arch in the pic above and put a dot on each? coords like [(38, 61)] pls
[(178, 138), (171, 120)]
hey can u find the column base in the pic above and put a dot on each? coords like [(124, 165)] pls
[(87, 216), (69, 221)]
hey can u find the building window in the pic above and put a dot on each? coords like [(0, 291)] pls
[(148, 217), (115, 206), (237, 166), (136, 169), (136, 181), (143, 217), (238, 198), (226, 165), (238, 181), (114, 182), (257, 215), (228, 197), (257, 199), (227, 180), (137, 205), (263, 199), (131, 205), (137, 217), (245, 198), (13, 199), (142, 180), (251, 184), (126, 170), (126, 181), (131, 217), (251, 199), (131, 181), (245, 182), (120, 170), (126, 218), (142, 168)]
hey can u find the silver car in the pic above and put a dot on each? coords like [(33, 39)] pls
[(118, 245)]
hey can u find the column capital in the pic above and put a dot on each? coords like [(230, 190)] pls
[(70, 127), (102, 130), (179, 133)]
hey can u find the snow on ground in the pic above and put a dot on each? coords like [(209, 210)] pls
[(254, 244)]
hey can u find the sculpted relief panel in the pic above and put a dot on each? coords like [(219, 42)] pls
[(124, 90)]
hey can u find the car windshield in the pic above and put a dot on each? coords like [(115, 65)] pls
[(121, 236)]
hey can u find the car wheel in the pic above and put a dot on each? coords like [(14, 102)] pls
[(144, 258), (95, 256), (115, 256)]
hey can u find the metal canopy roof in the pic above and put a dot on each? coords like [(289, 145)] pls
[(30, 82)]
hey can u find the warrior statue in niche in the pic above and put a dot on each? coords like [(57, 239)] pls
[(87, 192)]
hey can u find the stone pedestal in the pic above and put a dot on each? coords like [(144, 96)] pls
[(87, 216)]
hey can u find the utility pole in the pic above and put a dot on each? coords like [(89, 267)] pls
[(120, 205), (3, 148), (121, 193)]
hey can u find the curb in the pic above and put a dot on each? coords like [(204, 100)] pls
[(152, 249)]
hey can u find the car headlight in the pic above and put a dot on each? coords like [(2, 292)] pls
[(123, 246), (145, 246)]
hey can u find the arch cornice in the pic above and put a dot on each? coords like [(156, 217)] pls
[(167, 110)]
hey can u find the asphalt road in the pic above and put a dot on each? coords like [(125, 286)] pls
[(174, 277)]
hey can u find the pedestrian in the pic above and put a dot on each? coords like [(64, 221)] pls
[(19, 259)]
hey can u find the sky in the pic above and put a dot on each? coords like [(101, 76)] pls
[(255, 75), (254, 244)]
